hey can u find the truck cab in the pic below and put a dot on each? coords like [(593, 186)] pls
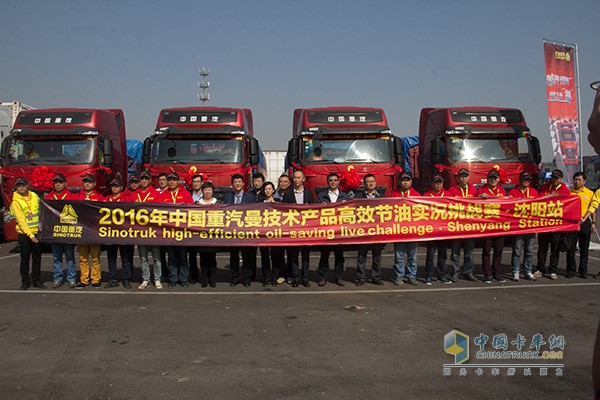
[(218, 141), (69, 141), (476, 138), (332, 139)]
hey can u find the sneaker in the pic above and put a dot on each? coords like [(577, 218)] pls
[(553, 276), (57, 284), (530, 276), (500, 280), (158, 285), (111, 284), (127, 284), (185, 284), (538, 274), (398, 281), (290, 281), (445, 280), (81, 285), (469, 277), (280, 280), (515, 277), (39, 285), (144, 285), (72, 285), (428, 282), (487, 280), (25, 286), (454, 278), (412, 281), (96, 285)]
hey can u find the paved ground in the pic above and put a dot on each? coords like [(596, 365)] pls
[(284, 343)]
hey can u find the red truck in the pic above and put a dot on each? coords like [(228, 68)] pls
[(69, 141), (332, 139), (569, 147), (218, 141), (476, 138)]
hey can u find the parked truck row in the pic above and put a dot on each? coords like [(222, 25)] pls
[(219, 142)]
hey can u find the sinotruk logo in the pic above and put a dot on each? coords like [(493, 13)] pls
[(457, 344)]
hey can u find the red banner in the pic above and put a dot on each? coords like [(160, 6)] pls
[(561, 94), (382, 220)]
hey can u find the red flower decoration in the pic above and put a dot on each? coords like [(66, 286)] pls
[(41, 178), (349, 180)]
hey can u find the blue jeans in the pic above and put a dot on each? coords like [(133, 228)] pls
[(155, 251), (58, 249), (522, 242), (410, 249)]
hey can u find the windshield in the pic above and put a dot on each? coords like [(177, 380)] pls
[(347, 150), (475, 149), (190, 151), (58, 151)]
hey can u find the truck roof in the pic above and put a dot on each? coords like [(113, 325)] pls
[(338, 117), (206, 118), (67, 118)]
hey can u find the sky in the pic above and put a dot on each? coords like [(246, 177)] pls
[(275, 56)]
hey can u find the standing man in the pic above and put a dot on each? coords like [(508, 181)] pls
[(405, 248), (147, 194), (584, 234), (550, 239), (25, 207), (278, 252), (492, 190), (179, 271), (87, 251), (465, 190), (60, 192), (370, 192), (239, 196), (126, 250), (523, 242), (196, 192), (332, 195), (299, 195), (441, 246)]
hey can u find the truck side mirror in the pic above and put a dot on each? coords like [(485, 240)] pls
[(398, 151), (436, 154), (292, 154), (108, 152), (146, 151), (254, 152), (537, 152), (4, 152)]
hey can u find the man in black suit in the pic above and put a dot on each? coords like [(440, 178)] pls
[(333, 194), (299, 195), (239, 196)]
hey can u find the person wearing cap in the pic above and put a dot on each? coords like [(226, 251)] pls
[(179, 271), (376, 249), (409, 249), (441, 246), (239, 196), (550, 239), (87, 251), (463, 189), (584, 234), (523, 243), (25, 207), (60, 192), (126, 250), (133, 184), (196, 192), (492, 190), (147, 194)]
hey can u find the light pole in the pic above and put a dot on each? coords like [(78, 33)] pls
[(203, 95)]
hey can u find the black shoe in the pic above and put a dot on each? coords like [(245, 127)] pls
[(246, 284), (274, 282), (185, 284), (127, 284), (204, 284), (25, 286), (39, 285), (360, 282), (96, 285), (583, 276), (377, 282), (112, 284), (294, 284), (172, 284), (81, 285), (212, 284), (232, 284), (569, 276), (306, 284), (266, 283), (469, 277)]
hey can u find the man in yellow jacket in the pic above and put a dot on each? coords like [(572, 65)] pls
[(25, 207)]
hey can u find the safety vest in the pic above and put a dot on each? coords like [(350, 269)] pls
[(31, 210)]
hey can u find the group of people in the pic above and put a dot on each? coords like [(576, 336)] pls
[(178, 265)]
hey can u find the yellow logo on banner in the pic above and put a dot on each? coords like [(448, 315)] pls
[(562, 55), (68, 215)]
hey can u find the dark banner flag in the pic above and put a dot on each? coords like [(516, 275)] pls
[(561, 95), (382, 220)]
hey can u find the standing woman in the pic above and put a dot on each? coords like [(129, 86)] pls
[(208, 258), (270, 269)]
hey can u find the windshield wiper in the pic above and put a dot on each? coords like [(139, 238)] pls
[(325, 161), (211, 160), (370, 160)]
